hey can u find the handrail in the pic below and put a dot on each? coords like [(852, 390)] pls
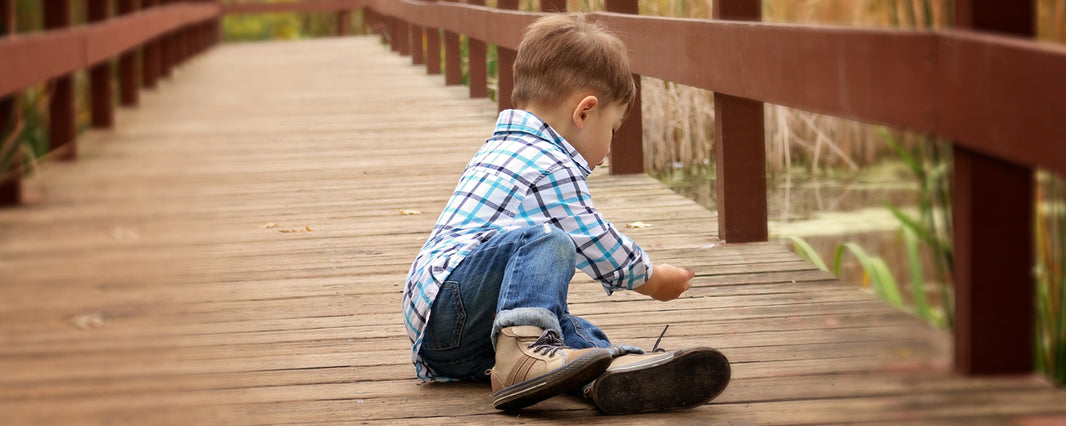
[(931, 81), (165, 31), (34, 58)]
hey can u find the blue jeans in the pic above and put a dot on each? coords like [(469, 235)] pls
[(516, 278)]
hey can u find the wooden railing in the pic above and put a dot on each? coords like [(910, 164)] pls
[(998, 98), (165, 32)]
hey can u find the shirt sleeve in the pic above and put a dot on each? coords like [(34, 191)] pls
[(604, 253)]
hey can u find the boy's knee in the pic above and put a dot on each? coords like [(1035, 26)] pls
[(559, 240)]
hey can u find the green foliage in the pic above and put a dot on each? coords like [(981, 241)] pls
[(266, 26), (875, 272), (1051, 278), (808, 253), (929, 162)]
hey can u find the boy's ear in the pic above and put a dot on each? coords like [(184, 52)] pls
[(581, 112)]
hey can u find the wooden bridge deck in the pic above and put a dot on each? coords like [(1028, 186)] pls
[(234, 252)]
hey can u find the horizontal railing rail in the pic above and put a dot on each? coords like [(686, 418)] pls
[(997, 98), (37, 57), (164, 32)]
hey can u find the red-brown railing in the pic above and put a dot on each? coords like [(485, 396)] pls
[(166, 33), (999, 98)]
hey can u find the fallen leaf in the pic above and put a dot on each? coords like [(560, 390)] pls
[(308, 228), (638, 225), (268, 225), (87, 321), (410, 212), (122, 234)]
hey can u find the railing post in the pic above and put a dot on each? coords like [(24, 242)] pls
[(433, 51), (993, 214), (215, 28), (101, 86), (740, 150), (61, 113), (184, 39), (403, 36), (151, 54), (627, 148), (168, 53), (390, 31), (127, 64), (505, 65), (418, 54), (374, 22), (10, 176), (477, 57), (344, 22), (453, 71)]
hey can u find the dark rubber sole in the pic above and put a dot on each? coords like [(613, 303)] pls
[(690, 378), (578, 372)]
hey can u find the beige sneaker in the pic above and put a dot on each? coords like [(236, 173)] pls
[(660, 381), (533, 365)]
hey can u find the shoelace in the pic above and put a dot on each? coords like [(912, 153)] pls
[(550, 342), (656, 347)]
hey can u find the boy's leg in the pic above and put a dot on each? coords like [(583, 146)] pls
[(579, 333), (456, 343), (532, 362), (534, 288), (534, 267)]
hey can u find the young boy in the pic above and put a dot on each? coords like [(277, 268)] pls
[(486, 297)]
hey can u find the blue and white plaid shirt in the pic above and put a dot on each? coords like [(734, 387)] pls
[(526, 174)]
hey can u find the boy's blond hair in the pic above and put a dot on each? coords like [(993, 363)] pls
[(564, 53)]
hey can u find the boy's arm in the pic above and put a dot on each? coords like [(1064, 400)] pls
[(667, 282)]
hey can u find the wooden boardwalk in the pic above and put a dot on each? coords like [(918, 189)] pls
[(234, 253)]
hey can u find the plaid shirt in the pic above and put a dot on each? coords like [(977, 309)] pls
[(526, 174)]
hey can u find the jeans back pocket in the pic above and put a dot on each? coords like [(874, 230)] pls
[(446, 320)]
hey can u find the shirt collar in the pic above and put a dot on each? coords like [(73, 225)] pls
[(521, 121)]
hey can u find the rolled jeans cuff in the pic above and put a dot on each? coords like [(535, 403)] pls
[(538, 317)]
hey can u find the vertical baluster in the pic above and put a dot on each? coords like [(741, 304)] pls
[(740, 150), (403, 36), (167, 48), (127, 64), (418, 54), (433, 50), (993, 214), (627, 148), (61, 109), (151, 54), (101, 85), (477, 52), (344, 21), (453, 73), (505, 65), (10, 176)]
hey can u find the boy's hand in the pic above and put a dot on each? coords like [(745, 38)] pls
[(667, 282)]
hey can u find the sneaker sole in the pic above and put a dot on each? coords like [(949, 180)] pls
[(582, 370), (689, 379)]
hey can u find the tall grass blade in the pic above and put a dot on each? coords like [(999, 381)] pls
[(805, 251), (914, 259), (874, 269)]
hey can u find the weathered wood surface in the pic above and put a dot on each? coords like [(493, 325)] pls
[(140, 285)]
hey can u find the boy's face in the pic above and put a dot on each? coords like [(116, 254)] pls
[(593, 140)]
